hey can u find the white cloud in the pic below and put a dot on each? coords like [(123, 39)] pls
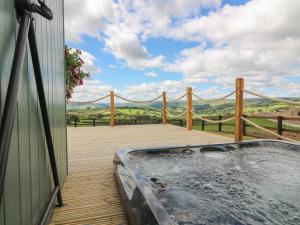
[(256, 20), (112, 66), (124, 24), (259, 40), (153, 89), (173, 89), (151, 74), (93, 89), (87, 17), (89, 63), (90, 90), (126, 46)]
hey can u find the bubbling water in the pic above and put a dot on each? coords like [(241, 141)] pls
[(258, 185)]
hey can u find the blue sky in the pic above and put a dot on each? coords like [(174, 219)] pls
[(141, 48), (120, 75)]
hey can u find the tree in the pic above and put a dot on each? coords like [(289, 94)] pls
[(72, 117), (74, 71), (91, 116), (99, 115)]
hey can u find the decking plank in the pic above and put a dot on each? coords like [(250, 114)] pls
[(90, 192)]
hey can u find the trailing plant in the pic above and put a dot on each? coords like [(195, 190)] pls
[(74, 71)]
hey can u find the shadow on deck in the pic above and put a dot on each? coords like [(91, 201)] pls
[(90, 193)]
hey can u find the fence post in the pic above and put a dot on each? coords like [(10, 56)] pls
[(112, 109), (181, 123), (164, 108), (220, 124), (239, 86), (189, 106), (75, 122), (279, 125), (94, 122), (202, 124)]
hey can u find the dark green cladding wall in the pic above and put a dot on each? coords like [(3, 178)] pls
[(28, 182)]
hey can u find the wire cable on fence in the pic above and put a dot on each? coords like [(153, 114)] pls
[(96, 100), (212, 121), (271, 98), (268, 131), (214, 100), (176, 115), (177, 99), (136, 101)]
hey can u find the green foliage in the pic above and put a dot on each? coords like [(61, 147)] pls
[(91, 116), (72, 117), (99, 115), (74, 71)]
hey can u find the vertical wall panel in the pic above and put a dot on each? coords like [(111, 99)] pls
[(12, 184), (11, 201), (24, 149), (28, 182), (43, 161), (34, 144)]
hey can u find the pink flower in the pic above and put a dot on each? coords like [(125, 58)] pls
[(75, 72), (78, 51), (81, 61), (68, 94)]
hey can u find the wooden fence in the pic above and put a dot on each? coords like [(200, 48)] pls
[(282, 125), (95, 122), (241, 122)]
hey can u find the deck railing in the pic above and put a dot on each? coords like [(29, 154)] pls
[(94, 122), (241, 122), (282, 125)]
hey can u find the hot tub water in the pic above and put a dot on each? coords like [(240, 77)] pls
[(257, 185)]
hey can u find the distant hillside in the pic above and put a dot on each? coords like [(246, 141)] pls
[(225, 107), (74, 105)]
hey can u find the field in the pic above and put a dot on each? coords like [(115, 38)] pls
[(103, 115), (101, 112), (290, 130)]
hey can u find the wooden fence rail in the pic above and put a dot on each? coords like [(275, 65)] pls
[(281, 126), (94, 122)]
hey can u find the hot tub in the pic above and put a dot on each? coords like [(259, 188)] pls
[(254, 182)]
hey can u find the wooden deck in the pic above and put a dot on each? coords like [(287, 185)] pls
[(90, 194)]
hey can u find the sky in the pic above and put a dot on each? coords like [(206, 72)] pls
[(140, 48)]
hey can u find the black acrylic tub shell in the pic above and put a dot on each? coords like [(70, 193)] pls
[(141, 205)]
